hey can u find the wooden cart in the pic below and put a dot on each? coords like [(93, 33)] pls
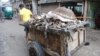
[(55, 44)]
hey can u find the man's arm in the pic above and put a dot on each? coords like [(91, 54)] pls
[(32, 15), (20, 16)]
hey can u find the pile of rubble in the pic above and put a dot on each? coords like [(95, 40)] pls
[(58, 21)]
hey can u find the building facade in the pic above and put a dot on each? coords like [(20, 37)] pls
[(43, 6)]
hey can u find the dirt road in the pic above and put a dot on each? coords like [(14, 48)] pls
[(12, 39), (93, 36), (13, 43)]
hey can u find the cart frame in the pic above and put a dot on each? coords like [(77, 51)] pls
[(59, 45)]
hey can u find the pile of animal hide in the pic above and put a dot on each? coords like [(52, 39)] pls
[(58, 21)]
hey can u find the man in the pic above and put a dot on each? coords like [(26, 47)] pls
[(25, 17), (25, 14)]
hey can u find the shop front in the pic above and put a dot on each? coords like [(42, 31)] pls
[(94, 13)]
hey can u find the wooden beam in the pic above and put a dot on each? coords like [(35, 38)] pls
[(85, 9)]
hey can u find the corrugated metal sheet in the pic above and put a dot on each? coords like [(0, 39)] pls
[(47, 1), (58, 0), (52, 1), (71, 0)]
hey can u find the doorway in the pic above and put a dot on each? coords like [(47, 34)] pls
[(94, 13)]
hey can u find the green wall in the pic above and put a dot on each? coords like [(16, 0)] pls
[(92, 6)]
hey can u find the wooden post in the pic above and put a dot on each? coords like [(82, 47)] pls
[(85, 9), (59, 2)]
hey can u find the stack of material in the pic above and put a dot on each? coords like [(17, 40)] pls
[(64, 12), (58, 21)]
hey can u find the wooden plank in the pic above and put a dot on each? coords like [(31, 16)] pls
[(83, 17), (73, 44), (82, 35), (50, 52), (62, 45), (54, 42), (79, 38), (32, 34)]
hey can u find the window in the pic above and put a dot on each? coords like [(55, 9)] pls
[(77, 8)]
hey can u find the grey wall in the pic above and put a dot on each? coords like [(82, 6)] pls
[(47, 7), (34, 6), (46, 1)]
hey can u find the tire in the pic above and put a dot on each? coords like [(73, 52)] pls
[(35, 49)]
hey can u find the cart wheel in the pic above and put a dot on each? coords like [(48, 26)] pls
[(35, 49)]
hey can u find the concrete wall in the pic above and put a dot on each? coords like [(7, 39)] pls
[(46, 1), (34, 6), (46, 5), (44, 8)]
